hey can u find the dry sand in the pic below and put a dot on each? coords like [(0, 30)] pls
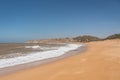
[(100, 62)]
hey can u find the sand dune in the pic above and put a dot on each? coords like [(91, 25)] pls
[(100, 62)]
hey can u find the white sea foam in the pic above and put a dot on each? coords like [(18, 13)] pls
[(37, 56), (42, 48), (34, 47)]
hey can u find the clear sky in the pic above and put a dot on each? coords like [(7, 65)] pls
[(22, 20)]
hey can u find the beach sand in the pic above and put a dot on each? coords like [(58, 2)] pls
[(101, 61)]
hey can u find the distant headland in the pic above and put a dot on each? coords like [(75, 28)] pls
[(84, 38)]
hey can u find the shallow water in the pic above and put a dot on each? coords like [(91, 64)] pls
[(8, 50), (39, 53)]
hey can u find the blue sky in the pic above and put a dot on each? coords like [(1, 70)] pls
[(22, 20)]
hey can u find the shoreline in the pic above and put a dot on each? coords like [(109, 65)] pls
[(20, 67), (100, 61)]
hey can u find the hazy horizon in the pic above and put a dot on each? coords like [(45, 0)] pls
[(22, 20)]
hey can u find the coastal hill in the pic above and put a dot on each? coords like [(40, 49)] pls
[(84, 38), (114, 36)]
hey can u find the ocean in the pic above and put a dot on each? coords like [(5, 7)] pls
[(16, 54)]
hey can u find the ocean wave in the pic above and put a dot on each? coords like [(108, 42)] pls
[(36, 56)]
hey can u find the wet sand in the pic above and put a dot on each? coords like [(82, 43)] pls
[(100, 62), (12, 69)]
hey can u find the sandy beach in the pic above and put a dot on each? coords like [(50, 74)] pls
[(101, 61), (18, 67)]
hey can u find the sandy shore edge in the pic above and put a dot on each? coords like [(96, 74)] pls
[(13, 69)]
